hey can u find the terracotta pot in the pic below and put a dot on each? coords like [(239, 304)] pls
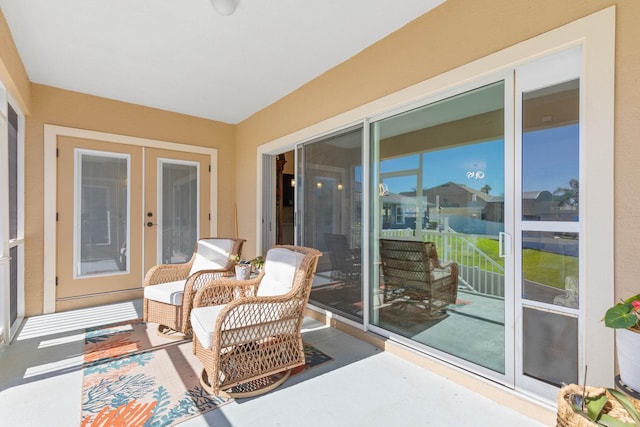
[(628, 352)]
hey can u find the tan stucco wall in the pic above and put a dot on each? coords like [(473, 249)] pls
[(456, 33), (453, 34), (72, 109)]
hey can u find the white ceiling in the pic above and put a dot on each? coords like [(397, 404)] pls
[(181, 56)]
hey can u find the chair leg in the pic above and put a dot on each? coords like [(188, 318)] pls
[(168, 333)]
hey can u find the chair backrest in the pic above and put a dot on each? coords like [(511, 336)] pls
[(213, 253), (408, 262), (286, 266)]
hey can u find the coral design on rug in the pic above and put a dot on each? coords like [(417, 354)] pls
[(133, 378)]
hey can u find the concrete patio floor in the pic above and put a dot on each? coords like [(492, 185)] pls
[(41, 377)]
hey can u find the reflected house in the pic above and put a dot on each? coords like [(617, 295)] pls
[(464, 208), (540, 206), (536, 204), (399, 211)]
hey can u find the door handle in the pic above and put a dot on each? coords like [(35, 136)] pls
[(504, 244), (150, 224)]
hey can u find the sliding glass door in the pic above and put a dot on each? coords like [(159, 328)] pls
[(476, 224), (439, 177), (329, 206)]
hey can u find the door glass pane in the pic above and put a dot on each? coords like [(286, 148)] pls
[(13, 285), (13, 214), (13, 174), (550, 268), (330, 185), (438, 208), (179, 216), (550, 153), (103, 228)]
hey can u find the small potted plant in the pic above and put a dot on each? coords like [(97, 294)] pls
[(624, 317), (584, 406), (242, 267), (257, 263)]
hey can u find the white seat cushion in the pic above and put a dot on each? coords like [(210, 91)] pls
[(212, 254), (168, 293), (280, 269), (203, 322)]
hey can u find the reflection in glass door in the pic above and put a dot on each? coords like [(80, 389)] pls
[(329, 198), (439, 177)]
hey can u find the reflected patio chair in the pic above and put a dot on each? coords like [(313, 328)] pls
[(247, 334), (412, 268), (169, 288), (345, 261)]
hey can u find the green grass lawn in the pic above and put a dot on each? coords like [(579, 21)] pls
[(538, 266)]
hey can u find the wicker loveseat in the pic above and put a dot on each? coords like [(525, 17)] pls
[(247, 334), (412, 269), (169, 288)]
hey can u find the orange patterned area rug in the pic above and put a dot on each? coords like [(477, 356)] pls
[(132, 377)]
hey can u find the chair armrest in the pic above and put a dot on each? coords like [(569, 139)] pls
[(200, 279), (163, 273), (223, 291), (452, 266)]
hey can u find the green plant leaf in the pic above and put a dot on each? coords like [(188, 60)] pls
[(578, 411), (620, 316), (626, 404), (633, 298), (595, 405), (609, 421)]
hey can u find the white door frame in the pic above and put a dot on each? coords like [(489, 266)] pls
[(51, 134), (10, 329), (596, 34)]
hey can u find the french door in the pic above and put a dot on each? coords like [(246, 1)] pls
[(122, 209)]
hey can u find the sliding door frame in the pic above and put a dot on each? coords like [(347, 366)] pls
[(596, 34)]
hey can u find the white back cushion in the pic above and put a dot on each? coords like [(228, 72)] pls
[(280, 268), (212, 254)]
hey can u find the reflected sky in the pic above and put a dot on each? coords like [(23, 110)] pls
[(474, 165), (550, 158), (550, 161)]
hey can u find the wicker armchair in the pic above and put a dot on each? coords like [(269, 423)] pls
[(412, 268), (169, 288), (247, 334)]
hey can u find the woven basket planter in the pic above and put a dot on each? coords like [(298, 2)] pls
[(567, 418)]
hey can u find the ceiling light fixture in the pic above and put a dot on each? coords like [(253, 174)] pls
[(224, 7)]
